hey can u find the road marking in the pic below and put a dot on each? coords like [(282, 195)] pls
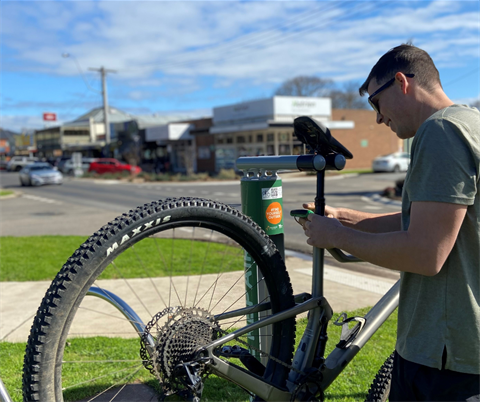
[(106, 182), (41, 199)]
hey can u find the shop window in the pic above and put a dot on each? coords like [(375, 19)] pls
[(284, 149), (298, 150), (204, 152), (283, 137), (270, 150), (259, 137), (229, 140), (270, 137), (240, 139)]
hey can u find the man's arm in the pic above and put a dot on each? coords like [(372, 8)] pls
[(423, 249), (362, 221)]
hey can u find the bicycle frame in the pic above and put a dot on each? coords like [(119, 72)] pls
[(312, 345), (4, 395)]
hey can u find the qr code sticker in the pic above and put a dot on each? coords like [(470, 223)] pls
[(271, 193)]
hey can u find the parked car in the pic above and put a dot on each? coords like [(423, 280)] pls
[(40, 173), (59, 163), (68, 167), (3, 164), (17, 163), (111, 165), (396, 162)]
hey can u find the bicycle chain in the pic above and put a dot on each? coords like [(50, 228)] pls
[(166, 333)]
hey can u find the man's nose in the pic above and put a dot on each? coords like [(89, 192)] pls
[(379, 118)]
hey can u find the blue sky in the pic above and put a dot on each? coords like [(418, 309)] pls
[(175, 57)]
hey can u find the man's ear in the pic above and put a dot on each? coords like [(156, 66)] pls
[(402, 80)]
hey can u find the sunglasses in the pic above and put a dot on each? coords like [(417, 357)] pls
[(382, 88)]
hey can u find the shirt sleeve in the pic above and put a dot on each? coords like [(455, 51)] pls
[(442, 167)]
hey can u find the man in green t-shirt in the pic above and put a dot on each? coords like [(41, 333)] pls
[(434, 241)]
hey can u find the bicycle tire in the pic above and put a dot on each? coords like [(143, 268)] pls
[(380, 389), (49, 345)]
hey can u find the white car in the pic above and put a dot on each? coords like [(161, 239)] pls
[(38, 174), (68, 167), (18, 162), (396, 162)]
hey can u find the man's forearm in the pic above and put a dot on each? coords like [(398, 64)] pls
[(394, 250), (368, 222)]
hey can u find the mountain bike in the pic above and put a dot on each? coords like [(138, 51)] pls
[(160, 296)]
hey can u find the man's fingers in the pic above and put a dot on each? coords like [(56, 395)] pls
[(309, 205)]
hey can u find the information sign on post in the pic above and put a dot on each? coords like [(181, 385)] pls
[(262, 202)]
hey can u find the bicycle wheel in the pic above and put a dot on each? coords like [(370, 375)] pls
[(178, 264), (380, 389)]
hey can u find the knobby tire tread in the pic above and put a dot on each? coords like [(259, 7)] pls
[(46, 336), (380, 388)]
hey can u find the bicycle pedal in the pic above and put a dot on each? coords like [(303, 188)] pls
[(348, 334)]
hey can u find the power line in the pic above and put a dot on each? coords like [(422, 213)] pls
[(278, 37), (461, 77), (245, 41)]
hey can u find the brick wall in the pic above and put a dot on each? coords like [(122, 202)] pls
[(367, 140)]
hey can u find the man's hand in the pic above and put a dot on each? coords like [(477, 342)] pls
[(320, 230), (329, 211)]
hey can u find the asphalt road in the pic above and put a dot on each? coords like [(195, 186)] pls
[(81, 206)]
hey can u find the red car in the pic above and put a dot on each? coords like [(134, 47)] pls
[(111, 165)]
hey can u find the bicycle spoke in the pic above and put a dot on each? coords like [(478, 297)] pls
[(147, 274), (131, 288)]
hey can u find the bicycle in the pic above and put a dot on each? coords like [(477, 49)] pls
[(183, 265)]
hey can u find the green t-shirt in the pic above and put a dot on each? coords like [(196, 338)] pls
[(443, 311)]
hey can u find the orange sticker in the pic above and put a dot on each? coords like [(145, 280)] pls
[(274, 213)]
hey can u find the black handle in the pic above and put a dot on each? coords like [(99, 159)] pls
[(339, 255)]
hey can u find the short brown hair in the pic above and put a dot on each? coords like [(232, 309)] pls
[(406, 59)]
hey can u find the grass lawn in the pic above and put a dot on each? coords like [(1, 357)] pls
[(42, 257), (352, 385), (5, 192)]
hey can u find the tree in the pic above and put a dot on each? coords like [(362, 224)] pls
[(348, 97), (342, 98), (305, 86)]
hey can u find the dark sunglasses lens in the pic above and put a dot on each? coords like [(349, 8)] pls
[(374, 107)]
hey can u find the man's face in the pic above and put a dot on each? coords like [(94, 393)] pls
[(389, 104)]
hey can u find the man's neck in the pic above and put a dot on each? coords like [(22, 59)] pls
[(431, 103)]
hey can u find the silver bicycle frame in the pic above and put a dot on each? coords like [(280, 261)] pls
[(316, 305), (4, 396)]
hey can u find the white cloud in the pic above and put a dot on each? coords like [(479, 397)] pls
[(177, 48)]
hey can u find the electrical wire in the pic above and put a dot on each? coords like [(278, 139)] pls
[(243, 42)]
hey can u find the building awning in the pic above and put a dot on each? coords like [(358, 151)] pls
[(343, 124)]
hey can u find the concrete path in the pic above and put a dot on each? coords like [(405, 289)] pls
[(344, 289)]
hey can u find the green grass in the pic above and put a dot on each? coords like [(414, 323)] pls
[(41, 257), (352, 385), (35, 258), (5, 192)]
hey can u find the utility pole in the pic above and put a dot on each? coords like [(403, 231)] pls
[(103, 71)]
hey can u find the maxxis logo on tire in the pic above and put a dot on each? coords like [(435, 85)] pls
[(137, 231)]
